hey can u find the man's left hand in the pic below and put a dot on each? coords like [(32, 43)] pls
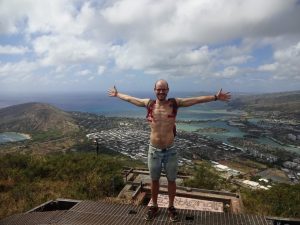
[(222, 96)]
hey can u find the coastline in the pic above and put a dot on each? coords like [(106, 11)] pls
[(229, 131), (27, 136), (6, 137)]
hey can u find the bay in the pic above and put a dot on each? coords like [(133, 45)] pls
[(12, 137)]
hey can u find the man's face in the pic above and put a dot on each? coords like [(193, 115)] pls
[(161, 90)]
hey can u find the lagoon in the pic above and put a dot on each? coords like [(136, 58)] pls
[(12, 137), (231, 132)]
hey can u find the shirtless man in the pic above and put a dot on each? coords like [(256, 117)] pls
[(161, 147)]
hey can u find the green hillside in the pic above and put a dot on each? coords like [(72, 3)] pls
[(284, 103), (36, 117), (30, 180)]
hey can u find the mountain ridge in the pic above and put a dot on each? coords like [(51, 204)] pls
[(283, 102), (36, 117)]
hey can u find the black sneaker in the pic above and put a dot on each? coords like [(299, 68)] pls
[(173, 214), (152, 212)]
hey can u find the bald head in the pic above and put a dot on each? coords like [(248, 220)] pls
[(161, 89), (161, 82)]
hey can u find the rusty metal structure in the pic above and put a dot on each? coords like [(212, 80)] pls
[(100, 212)]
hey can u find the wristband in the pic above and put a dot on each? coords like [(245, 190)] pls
[(216, 98)]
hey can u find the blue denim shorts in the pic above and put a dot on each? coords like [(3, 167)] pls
[(167, 159)]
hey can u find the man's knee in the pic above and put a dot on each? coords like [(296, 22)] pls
[(172, 181), (155, 181), (171, 176)]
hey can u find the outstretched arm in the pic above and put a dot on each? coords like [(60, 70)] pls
[(113, 92), (185, 102)]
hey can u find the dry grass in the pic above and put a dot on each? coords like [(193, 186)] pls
[(244, 165)]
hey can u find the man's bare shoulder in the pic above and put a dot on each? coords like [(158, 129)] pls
[(147, 101), (178, 101)]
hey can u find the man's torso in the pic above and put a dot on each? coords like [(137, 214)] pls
[(162, 123)]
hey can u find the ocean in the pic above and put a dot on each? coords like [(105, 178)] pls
[(101, 104)]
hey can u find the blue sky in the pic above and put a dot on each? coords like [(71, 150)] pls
[(197, 45)]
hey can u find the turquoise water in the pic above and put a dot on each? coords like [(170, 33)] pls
[(203, 114), (11, 137), (268, 141), (231, 132), (222, 136)]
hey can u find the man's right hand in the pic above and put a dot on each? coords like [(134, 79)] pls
[(113, 92)]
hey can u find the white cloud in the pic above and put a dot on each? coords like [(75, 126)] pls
[(13, 50), (62, 50), (101, 69), (193, 57), (84, 72), (39, 16), (228, 72), (167, 43), (59, 76), (268, 67), (17, 69), (10, 15), (235, 60), (206, 21), (286, 63)]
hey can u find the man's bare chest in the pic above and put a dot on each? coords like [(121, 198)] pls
[(162, 111)]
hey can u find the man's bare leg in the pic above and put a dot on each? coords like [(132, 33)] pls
[(153, 210), (172, 192), (154, 191)]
